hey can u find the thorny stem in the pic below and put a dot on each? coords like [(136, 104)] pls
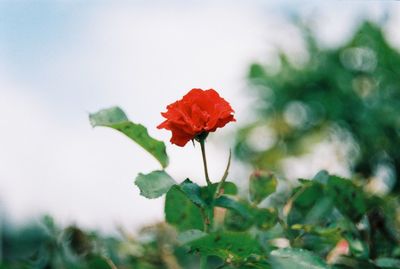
[(222, 181), (203, 153), (203, 258)]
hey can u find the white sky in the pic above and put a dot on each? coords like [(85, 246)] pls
[(61, 60)]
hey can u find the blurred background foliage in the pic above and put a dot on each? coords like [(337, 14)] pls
[(348, 94), (44, 244)]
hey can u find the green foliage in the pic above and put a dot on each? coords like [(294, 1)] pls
[(45, 245), (231, 204), (237, 221), (116, 118), (262, 184), (348, 198), (227, 188), (388, 263), (231, 246), (349, 92), (190, 235), (296, 259), (193, 192), (154, 184), (318, 215), (308, 203), (266, 218), (181, 212)]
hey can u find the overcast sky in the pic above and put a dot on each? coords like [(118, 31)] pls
[(60, 60)]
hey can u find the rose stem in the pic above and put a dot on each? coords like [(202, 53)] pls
[(203, 153), (203, 262), (203, 258), (222, 181)]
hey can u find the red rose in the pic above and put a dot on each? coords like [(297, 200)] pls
[(198, 112)]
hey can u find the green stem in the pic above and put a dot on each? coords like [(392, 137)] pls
[(206, 220), (203, 262), (206, 217), (222, 181), (203, 153), (203, 258)]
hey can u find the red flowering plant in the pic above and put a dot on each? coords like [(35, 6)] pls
[(196, 115), (314, 226)]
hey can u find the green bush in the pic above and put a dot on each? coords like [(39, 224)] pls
[(352, 91)]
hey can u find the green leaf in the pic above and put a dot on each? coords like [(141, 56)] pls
[(115, 118), (308, 194), (388, 263), (232, 245), (346, 262), (181, 212), (235, 220), (208, 192), (193, 192), (262, 184), (228, 188), (190, 235), (322, 177), (155, 184), (231, 204), (266, 218), (320, 210), (307, 203), (290, 258), (348, 198)]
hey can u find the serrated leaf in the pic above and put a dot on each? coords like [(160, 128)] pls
[(154, 184), (115, 118), (348, 198), (232, 245), (290, 258), (262, 184), (193, 192), (181, 212)]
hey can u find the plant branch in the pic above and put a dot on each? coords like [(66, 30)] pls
[(222, 181)]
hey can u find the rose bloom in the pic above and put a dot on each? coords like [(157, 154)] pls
[(197, 113)]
